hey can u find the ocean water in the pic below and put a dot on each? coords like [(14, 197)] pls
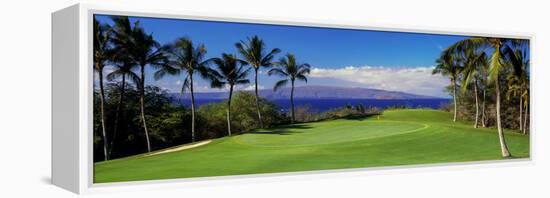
[(320, 105)]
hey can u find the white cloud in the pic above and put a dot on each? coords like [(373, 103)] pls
[(416, 80), (250, 87)]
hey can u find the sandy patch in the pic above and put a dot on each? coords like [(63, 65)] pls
[(181, 148)]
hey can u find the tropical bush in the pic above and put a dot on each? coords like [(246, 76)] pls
[(244, 117)]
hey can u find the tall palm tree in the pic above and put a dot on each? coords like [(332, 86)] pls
[(123, 68), (448, 65), (525, 96), (229, 71), (496, 46), (145, 51), (187, 59), (102, 36), (518, 81), (483, 85), (253, 52), (288, 68), (123, 62), (474, 61), (515, 89)]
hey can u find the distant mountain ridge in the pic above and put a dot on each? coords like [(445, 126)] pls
[(317, 92)]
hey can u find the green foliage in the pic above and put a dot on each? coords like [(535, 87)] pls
[(483, 62), (349, 112), (307, 114), (244, 117), (167, 122)]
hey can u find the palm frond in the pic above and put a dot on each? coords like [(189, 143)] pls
[(277, 71), (279, 84), (495, 65), (164, 70), (515, 58), (301, 77), (242, 81), (215, 83), (134, 78), (185, 85), (114, 75)]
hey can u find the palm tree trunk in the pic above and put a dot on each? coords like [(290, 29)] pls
[(142, 106), (521, 110), (483, 115), (525, 118), (292, 102), (257, 98), (454, 98), (192, 108), (229, 110), (503, 146), (118, 112), (477, 103), (102, 109)]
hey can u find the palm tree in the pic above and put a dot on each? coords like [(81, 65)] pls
[(291, 70), (519, 79), (253, 52), (102, 36), (123, 63), (229, 71), (123, 68), (474, 61), (525, 96), (448, 65), (145, 51), (188, 59), (484, 88), (497, 45), (515, 89)]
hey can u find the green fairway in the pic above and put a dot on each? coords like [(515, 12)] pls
[(398, 137)]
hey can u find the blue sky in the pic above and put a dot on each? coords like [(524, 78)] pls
[(342, 57)]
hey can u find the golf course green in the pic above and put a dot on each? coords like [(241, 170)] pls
[(397, 137)]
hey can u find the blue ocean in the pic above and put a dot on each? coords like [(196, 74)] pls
[(321, 105)]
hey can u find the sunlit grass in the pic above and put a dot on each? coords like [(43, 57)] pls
[(398, 137)]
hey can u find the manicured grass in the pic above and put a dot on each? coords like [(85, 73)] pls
[(398, 137)]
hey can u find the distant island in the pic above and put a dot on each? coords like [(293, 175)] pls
[(317, 92)]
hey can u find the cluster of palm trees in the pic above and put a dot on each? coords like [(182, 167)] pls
[(479, 63), (127, 48)]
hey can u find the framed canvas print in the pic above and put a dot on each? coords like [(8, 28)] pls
[(141, 96)]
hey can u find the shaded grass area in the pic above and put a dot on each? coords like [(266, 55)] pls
[(398, 137)]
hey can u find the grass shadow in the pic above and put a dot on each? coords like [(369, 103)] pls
[(361, 117), (282, 130)]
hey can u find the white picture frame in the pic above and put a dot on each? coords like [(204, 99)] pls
[(72, 77)]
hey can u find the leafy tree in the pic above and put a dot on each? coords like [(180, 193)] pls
[(253, 51), (289, 69), (213, 115), (166, 120)]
